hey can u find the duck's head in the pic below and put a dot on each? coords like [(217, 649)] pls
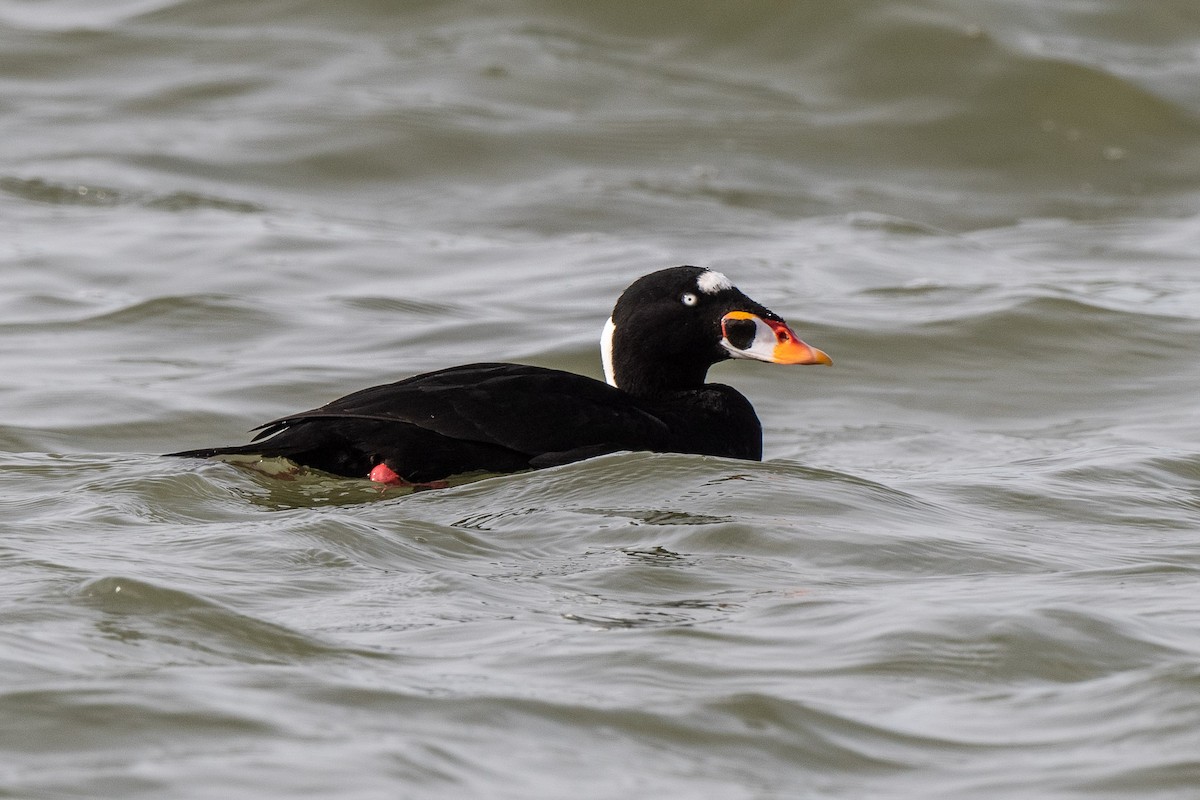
[(670, 326)]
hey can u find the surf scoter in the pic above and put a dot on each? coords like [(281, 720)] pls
[(666, 330)]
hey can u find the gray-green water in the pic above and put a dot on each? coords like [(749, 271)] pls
[(969, 568)]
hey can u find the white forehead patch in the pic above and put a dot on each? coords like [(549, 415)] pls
[(711, 282)]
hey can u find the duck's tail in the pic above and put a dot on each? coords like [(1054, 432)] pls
[(209, 452)]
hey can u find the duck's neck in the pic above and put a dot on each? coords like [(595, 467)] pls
[(628, 365), (659, 380)]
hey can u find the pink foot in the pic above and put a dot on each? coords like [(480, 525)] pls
[(384, 474)]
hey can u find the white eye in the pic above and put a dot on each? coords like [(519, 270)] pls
[(689, 299)]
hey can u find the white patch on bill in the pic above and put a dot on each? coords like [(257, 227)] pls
[(711, 282), (606, 347)]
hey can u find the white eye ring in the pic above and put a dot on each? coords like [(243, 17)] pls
[(689, 299)]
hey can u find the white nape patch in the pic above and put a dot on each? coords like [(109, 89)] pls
[(711, 282), (606, 345)]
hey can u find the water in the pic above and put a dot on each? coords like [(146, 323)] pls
[(966, 569)]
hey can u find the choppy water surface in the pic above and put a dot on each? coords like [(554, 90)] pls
[(968, 568)]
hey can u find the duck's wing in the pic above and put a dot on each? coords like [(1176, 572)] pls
[(549, 415)]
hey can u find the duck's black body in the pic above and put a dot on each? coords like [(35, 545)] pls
[(667, 329)]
